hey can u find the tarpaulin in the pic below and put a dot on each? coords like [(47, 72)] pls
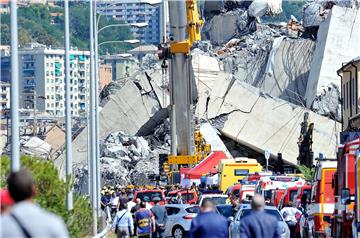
[(208, 165)]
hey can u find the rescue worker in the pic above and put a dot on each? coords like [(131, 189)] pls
[(114, 202), (259, 224), (160, 215), (209, 223), (136, 207), (291, 216), (105, 199), (145, 221), (179, 199), (123, 224)]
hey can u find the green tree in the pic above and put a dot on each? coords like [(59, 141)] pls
[(35, 24), (309, 173), (51, 192)]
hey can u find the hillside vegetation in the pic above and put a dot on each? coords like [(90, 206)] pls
[(37, 25)]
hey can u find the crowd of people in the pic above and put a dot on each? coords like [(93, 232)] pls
[(21, 217)]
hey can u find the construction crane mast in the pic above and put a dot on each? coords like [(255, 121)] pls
[(185, 26)]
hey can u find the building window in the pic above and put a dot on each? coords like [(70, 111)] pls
[(347, 95), (354, 92)]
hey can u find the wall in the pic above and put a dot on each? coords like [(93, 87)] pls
[(105, 72)]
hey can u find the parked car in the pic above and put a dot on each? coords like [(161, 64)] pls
[(189, 196), (215, 197), (179, 219), (245, 210), (149, 195)]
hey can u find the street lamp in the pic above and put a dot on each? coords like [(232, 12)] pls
[(138, 25), (133, 41)]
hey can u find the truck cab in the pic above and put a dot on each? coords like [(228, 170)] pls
[(322, 205)]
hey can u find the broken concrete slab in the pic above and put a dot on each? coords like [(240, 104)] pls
[(259, 121), (222, 28), (211, 136), (259, 8), (337, 42), (36, 147), (127, 110)]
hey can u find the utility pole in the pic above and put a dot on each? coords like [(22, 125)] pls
[(98, 176), (69, 194), (14, 90), (92, 123)]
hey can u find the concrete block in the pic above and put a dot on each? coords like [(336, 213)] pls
[(337, 42)]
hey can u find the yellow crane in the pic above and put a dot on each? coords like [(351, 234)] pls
[(187, 145)]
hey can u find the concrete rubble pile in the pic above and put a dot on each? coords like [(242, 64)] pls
[(253, 83), (125, 160)]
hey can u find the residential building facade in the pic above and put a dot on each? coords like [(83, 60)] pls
[(42, 79), (105, 75), (350, 94), (4, 95), (136, 11), (123, 65)]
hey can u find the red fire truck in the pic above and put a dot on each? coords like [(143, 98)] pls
[(321, 209), (344, 181)]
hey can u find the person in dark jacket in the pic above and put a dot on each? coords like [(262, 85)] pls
[(208, 223), (259, 224), (160, 215), (145, 222)]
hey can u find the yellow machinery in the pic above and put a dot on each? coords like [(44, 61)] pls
[(187, 145)]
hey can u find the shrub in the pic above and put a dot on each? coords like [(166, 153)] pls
[(51, 194)]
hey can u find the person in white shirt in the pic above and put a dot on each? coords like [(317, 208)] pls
[(26, 218), (291, 216)]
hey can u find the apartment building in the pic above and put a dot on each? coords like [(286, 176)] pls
[(350, 94), (123, 65), (4, 95), (136, 11), (42, 79)]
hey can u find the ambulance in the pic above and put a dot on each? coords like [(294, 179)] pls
[(267, 185), (232, 170)]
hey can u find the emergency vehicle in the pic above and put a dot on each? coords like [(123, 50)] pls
[(322, 204), (233, 170), (344, 179), (267, 185), (293, 194), (356, 223), (276, 196), (247, 189), (306, 189)]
